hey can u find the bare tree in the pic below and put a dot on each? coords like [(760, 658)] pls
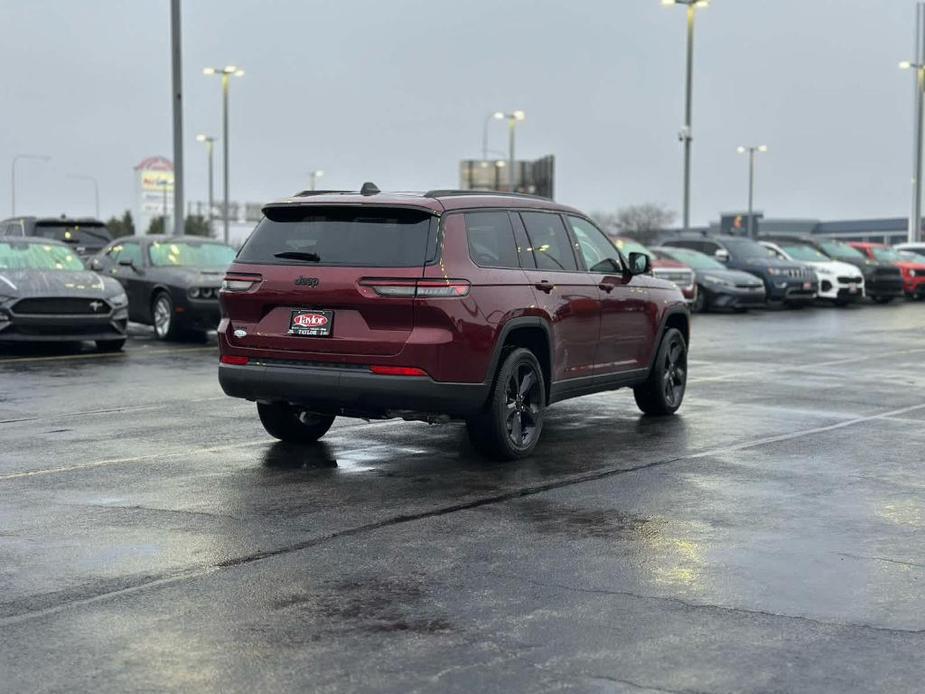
[(641, 222)]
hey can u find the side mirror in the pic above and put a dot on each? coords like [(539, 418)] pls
[(722, 255), (639, 263), (95, 264)]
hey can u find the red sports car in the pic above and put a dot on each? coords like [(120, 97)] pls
[(913, 272)]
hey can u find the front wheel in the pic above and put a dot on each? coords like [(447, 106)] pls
[(510, 426), (663, 391), (292, 424), (162, 311)]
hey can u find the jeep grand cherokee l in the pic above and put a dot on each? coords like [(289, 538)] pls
[(444, 305), (787, 282)]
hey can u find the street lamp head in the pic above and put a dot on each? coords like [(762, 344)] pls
[(239, 73), (762, 148), (500, 163), (702, 3), (497, 115), (230, 69), (905, 65), (740, 149), (208, 71), (318, 173), (518, 115)]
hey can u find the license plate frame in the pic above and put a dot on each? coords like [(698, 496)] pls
[(311, 328)]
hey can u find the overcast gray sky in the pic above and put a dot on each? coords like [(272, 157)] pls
[(397, 91)]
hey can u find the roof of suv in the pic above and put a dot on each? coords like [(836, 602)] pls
[(435, 201)]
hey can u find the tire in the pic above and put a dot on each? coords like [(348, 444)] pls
[(162, 316), (292, 424), (663, 391), (110, 345), (511, 424), (700, 303), (883, 299)]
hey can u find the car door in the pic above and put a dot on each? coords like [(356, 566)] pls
[(623, 319), (569, 296), (131, 277)]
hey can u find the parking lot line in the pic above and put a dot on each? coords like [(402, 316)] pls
[(103, 355), (110, 410)]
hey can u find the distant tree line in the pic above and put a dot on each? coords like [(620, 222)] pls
[(642, 222), (194, 225)]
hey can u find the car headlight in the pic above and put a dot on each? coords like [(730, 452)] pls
[(774, 271), (713, 279), (118, 300), (193, 292)]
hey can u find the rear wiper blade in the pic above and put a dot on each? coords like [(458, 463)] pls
[(298, 255)]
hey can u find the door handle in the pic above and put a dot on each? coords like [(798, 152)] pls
[(544, 286), (606, 287)]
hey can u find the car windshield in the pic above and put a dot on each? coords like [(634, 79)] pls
[(835, 249), (694, 259), (74, 233), (746, 248), (887, 255), (190, 254), (628, 246), (800, 251), (38, 256)]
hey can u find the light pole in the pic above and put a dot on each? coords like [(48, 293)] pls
[(915, 220), (686, 134), (497, 115), (96, 189), (38, 157), (512, 118), (751, 183), (313, 177), (226, 73), (210, 146), (164, 183)]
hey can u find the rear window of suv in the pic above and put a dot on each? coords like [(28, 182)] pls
[(352, 236)]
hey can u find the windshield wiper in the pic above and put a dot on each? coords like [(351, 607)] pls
[(299, 255)]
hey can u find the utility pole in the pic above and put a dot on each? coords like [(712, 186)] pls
[(751, 184), (177, 81)]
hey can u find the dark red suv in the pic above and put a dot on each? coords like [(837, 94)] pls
[(444, 305)]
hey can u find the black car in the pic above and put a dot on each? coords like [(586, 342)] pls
[(883, 281), (791, 283), (172, 282), (46, 294), (717, 285), (85, 235)]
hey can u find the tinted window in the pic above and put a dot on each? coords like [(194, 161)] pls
[(84, 234), (598, 253), (189, 254), (358, 237), (549, 239), (837, 249), (695, 259), (746, 248), (524, 251), (491, 239), (131, 251)]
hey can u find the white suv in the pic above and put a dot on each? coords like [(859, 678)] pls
[(841, 283)]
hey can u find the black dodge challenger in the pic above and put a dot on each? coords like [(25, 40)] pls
[(46, 294), (172, 282)]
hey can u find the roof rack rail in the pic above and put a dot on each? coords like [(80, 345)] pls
[(307, 193), (449, 192)]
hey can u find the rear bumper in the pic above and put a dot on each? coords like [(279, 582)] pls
[(351, 391)]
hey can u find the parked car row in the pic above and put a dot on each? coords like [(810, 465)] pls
[(49, 293)]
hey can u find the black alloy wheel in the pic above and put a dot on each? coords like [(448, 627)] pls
[(512, 421), (663, 391)]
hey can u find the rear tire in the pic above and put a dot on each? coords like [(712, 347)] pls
[(110, 345), (663, 391), (292, 424), (511, 424)]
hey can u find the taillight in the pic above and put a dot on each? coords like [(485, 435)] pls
[(240, 283), (449, 288), (397, 371), (232, 360)]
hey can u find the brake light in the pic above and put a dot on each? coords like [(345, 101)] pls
[(232, 360), (240, 283), (421, 288), (397, 371)]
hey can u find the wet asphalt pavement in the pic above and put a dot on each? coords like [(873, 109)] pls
[(768, 538)]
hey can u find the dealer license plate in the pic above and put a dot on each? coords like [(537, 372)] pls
[(311, 323)]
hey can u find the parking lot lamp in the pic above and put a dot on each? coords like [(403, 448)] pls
[(497, 115), (915, 221), (210, 146), (313, 178), (38, 157), (751, 183), (686, 134), (512, 119), (226, 74)]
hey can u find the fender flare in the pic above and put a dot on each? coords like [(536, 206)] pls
[(675, 310), (505, 330)]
